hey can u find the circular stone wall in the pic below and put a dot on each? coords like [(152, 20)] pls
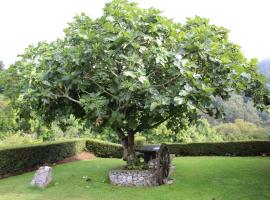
[(133, 177)]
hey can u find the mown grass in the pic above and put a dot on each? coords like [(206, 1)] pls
[(196, 178)]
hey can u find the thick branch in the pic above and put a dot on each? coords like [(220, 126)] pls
[(167, 82), (100, 87), (158, 123), (66, 96)]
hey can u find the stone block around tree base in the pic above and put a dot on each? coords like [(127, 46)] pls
[(133, 178)]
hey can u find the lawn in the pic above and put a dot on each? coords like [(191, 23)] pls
[(196, 178)]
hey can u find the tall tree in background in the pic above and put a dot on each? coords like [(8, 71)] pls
[(239, 107), (1, 65), (1, 75), (133, 69), (265, 69)]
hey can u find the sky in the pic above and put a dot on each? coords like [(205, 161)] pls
[(29, 21)]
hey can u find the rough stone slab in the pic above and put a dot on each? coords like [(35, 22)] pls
[(42, 177)]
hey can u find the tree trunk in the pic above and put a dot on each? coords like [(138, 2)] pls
[(128, 148), (124, 142)]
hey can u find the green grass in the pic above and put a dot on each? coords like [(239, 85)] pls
[(196, 178)]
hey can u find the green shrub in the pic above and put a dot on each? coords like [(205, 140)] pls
[(7, 117), (105, 134), (240, 130), (243, 148), (140, 141), (201, 132), (159, 134), (104, 149), (18, 138)]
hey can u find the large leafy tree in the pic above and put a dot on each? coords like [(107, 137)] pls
[(133, 69), (1, 75)]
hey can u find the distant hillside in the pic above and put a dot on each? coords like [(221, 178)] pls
[(265, 67)]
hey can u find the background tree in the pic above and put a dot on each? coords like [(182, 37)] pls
[(133, 69), (239, 107), (1, 65), (1, 75), (265, 69)]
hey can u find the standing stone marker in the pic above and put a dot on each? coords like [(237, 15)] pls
[(42, 177)]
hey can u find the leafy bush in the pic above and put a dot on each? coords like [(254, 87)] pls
[(106, 134), (18, 138), (7, 117), (159, 135), (243, 148), (71, 127), (104, 149), (240, 130), (140, 141), (66, 127), (201, 132)]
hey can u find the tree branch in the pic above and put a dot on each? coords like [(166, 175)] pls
[(100, 87), (66, 96), (158, 123), (167, 82)]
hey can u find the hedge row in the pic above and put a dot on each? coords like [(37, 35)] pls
[(104, 149), (14, 160), (242, 148)]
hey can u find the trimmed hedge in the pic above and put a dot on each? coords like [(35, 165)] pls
[(21, 158), (241, 148), (13, 160), (17, 159), (104, 149)]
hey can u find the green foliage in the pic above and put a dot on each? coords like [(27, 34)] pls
[(17, 138), (132, 69), (239, 107), (243, 148), (137, 164), (1, 76), (7, 117), (240, 130), (236, 108), (264, 68), (104, 149), (139, 141), (68, 128), (201, 132), (16, 159), (160, 134), (105, 134)]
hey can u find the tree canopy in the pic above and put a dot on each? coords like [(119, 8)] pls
[(132, 69)]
